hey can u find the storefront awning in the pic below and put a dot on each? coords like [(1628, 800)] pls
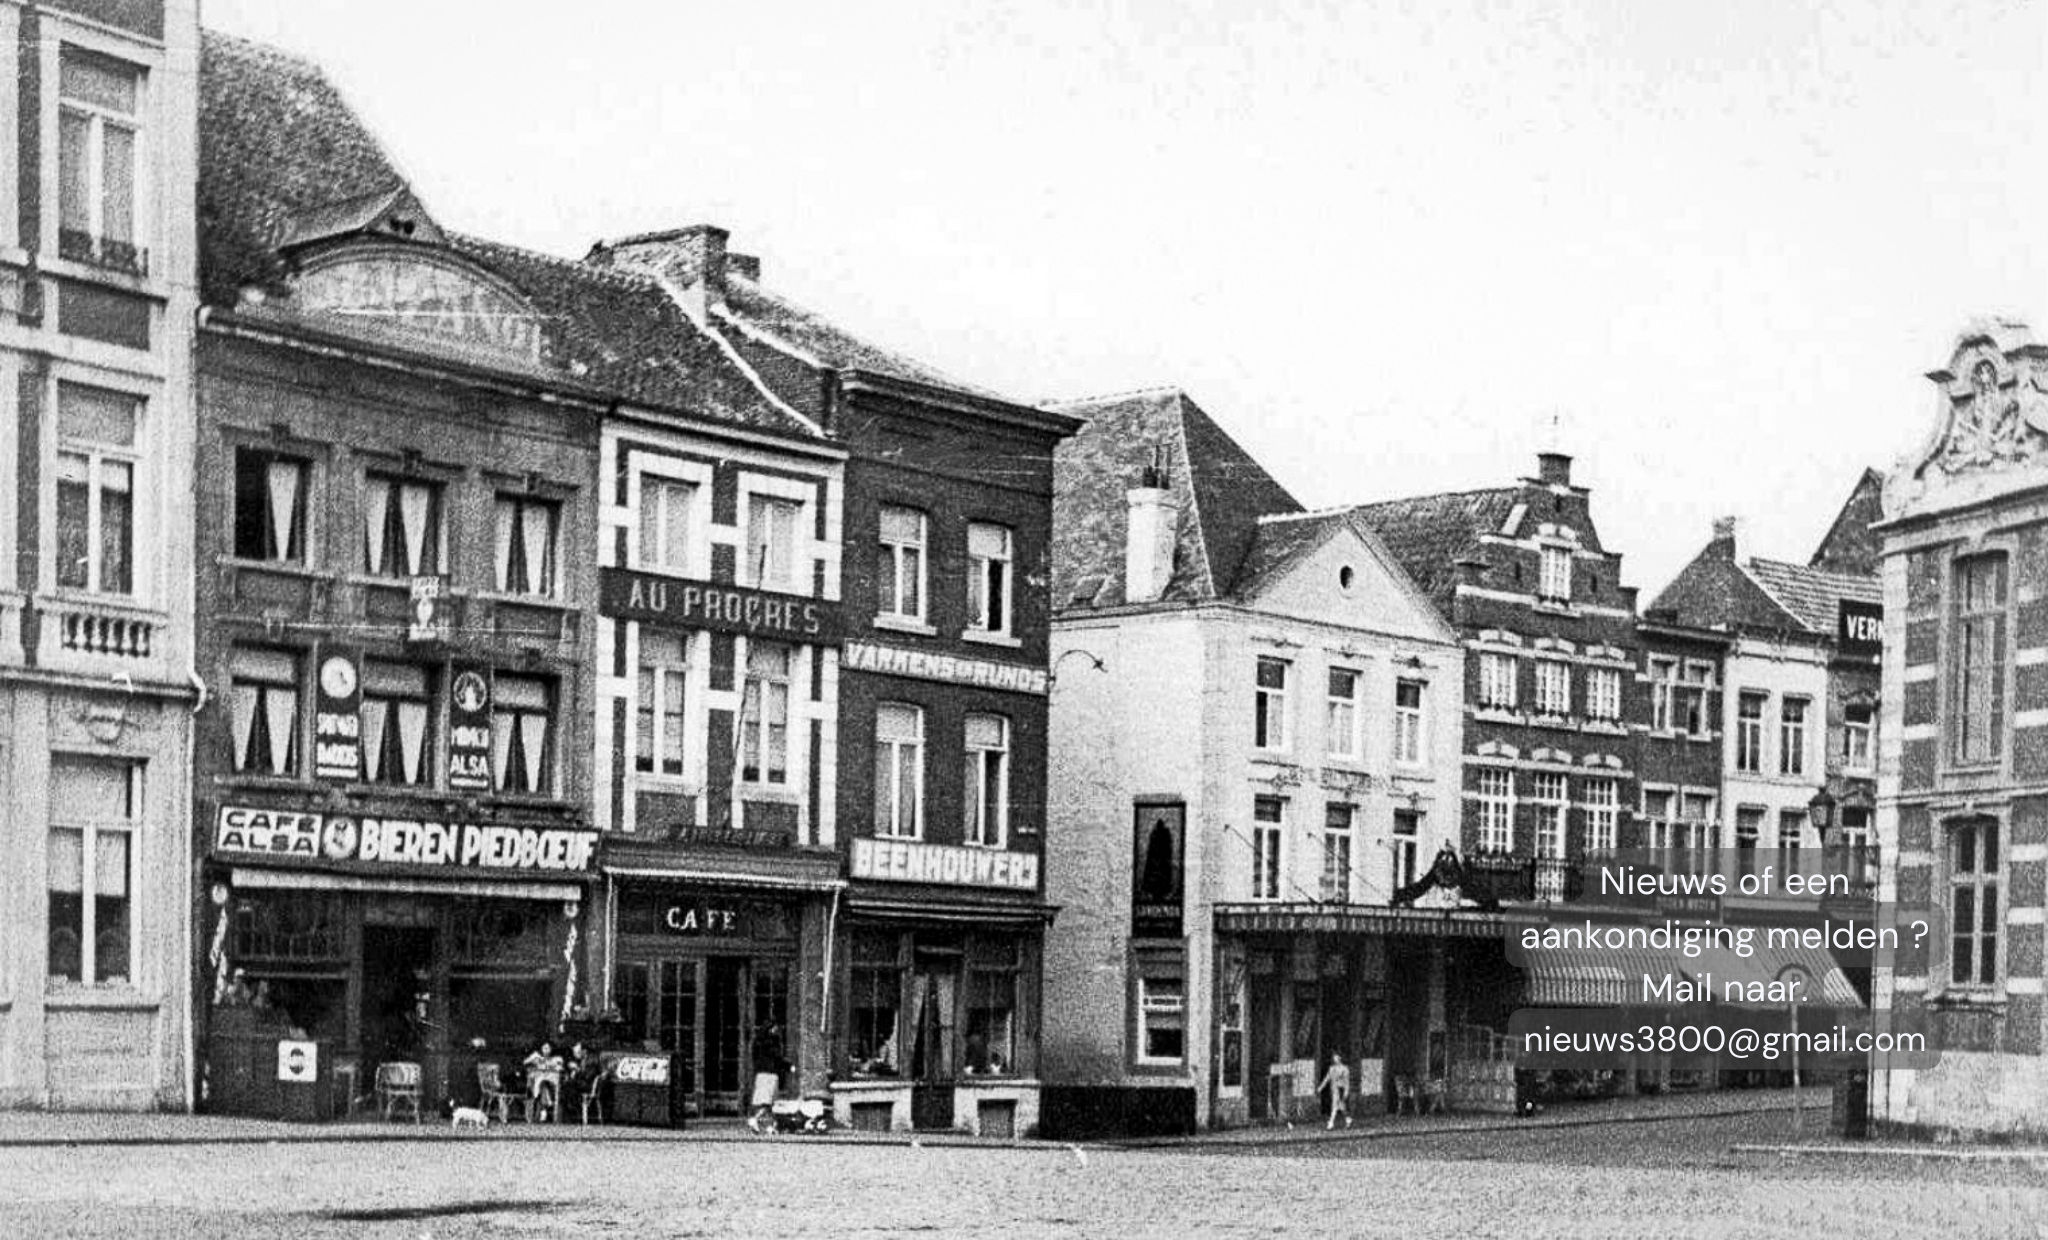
[(1455, 923), (251, 878), (1609, 977), (962, 912), (725, 877), (1824, 983)]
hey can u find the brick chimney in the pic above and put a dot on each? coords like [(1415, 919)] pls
[(1152, 529), (692, 261), (1554, 469), (1723, 544)]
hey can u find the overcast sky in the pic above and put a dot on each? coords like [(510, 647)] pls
[(1387, 245)]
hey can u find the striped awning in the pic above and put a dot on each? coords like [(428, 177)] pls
[(1824, 981), (1594, 977), (252, 877)]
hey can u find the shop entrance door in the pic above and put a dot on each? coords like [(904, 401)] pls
[(934, 1056), (727, 1032), (1264, 1037), (398, 962)]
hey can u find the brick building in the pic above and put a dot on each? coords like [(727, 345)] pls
[(940, 769), (1256, 754), (97, 123), (1963, 776)]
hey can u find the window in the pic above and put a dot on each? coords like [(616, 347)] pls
[(665, 523), (1408, 722), (402, 529), (522, 712), (1496, 811), (1603, 694), (1791, 829), (263, 710), (1792, 736), (988, 578), (526, 545), (1603, 813), (1341, 733), (876, 998), (1269, 824), (658, 734), (96, 455), (270, 506), (1749, 732), (1269, 705), (987, 786), (1497, 681), (764, 715), (1977, 659), (1336, 886), (1548, 794), (1859, 727), (397, 716), (771, 543), (1162, 1013), (1973, 902), (992, 970), (95, 807), (1749, 827), (901, 574), (1678, 696), (1407, 847), (98, 161), (1556, 581), (1553, 687), (899, 770)]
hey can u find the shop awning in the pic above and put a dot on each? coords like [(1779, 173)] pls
[(1825, 982), (251, 877), (961, 912), (1608, 977), (1458, 923), (722, 876)]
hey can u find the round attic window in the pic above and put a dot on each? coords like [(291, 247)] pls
[(1345, 576)]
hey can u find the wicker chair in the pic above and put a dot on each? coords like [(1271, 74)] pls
[(398, 1084), (495, 1099)]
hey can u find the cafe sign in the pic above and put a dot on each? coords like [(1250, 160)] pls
[(906, 861), (278, 835), (650, 598)]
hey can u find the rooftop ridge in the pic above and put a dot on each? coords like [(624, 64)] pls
[(1164, 389)]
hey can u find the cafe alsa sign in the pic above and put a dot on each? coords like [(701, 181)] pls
[(309, 839)]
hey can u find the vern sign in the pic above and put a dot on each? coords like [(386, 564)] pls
[(316, 838), (650, 598), (905, 861), (953, 669), (1860, 627)]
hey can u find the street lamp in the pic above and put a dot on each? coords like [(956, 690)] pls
[(1820, 811)]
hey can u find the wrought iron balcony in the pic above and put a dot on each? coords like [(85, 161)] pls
[(1519, 877)]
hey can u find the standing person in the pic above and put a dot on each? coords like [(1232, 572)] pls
[(768, 1063), (1338, 1081)]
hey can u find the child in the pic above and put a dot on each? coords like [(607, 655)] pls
[(1338, 1081)]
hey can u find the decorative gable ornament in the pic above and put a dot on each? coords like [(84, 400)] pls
[(1991, 427)]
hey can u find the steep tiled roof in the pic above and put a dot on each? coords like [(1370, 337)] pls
[(824, 341), (1813, 596), (282, 153), (1851, 545), (1713, 591), (1428, 534), (1222, 492)]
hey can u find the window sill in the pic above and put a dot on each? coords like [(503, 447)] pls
[(152, 286), (1952, 1000), (980, 638), (898, 624), (1273, 757), (76, 996), (775, 794), (519, 600), (1412, 770), (251, 781)]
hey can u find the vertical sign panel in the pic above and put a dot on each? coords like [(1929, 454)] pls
[(1157, 848), (469, 730), (337, 716)]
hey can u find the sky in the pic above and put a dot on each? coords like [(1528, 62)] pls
[(1710, 250)]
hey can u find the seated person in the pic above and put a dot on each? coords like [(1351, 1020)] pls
[(544, 1078)]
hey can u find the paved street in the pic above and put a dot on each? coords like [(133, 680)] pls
[(1663, 1177)]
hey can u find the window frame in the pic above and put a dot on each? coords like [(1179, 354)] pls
[(1411, 722), (1602, 814), (1270, 733), (1749, 731), (781, 571), (1550, 802), (1344, 715), (391, 734), (1603, 694), (756, 692), (301, 533), (976, 831), (892, 569), (654, 531), (1496, 810), (652, 717), (987, 574), (915, 747), (1984, 882), (550, 714), (509, 547), (1163, 969), (1554, 575), (1499, 675), (1338, 847), (1859, 736), (1792, 734), (1553, 688), (241, 752), (100, 456), (1269, 848), (393, 535), (98, 118), (130, 829), (1405, 845), (1977, 711)]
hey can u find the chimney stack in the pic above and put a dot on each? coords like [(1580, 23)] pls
[(1554, 469), (1723, 544), (691, 260), (1152, 529)]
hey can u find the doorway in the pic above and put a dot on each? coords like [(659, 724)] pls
[(934, 1053), (397, 1003), (1264, 1037)]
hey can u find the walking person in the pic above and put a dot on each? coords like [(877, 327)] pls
[(1338, 1081), (768, 1066)]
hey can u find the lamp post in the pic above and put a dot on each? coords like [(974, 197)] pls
[(1820, 811)]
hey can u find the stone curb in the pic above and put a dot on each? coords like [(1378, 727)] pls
[(520, 1133), (1973, 1154), (1389, 1132)]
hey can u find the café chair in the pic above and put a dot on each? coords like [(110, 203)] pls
[(1406, 1096), (590, 1097), (1433, 1092), (494, 1099), (398, 1083)]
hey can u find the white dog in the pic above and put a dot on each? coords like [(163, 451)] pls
[(468, 1117)]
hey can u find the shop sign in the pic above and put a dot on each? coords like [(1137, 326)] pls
[(338, 716), (428, 620), (1859, 627), (1158, 833), (695, 919), (650, 598), (469, 731), (905, 861), (951, 668), (242, 831), (640, 1069), (298, 1061)]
